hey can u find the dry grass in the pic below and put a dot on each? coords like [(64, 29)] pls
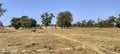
[(73, 41)]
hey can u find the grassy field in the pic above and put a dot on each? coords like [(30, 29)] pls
[(60, 41)]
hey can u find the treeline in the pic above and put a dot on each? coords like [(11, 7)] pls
[(112, 21), (64, 20)]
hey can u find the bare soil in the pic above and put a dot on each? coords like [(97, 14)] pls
[(60, 41)]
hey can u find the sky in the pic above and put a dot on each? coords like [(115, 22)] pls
[(80, 9)]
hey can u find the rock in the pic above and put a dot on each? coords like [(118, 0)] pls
[(5, 51), (34, 43), (47, 46), (34, 30), (18, 44), (9, 45), (31, 44), (116, 48)]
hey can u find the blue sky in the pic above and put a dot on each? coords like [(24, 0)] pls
[(81, 9)]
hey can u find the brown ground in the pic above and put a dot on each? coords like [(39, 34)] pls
[(60, 41)]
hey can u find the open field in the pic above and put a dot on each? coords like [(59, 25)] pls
[(60, 41)]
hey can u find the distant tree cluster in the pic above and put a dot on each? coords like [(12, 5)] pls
[(64, 20), (112, 21), (24, 22)]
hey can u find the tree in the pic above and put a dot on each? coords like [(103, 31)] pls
[(27, 22), (1, 24), (104, 23), (46, 19), (84, 23), (100, 24), (16, 23), (24, 20), (64, 19), (78, 24), (118, 21), (108, 22), (112, 21), (90, 23), (2, 10)]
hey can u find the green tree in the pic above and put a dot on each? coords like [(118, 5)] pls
[(103, 23), (118, 21), (2, 11), (100, 23), (78, 24), (24, 20), (16, 23), (30, 23), (64, 19), (84, 23), (27, 22), (1, 24), (112, 21), (90, 23), (46, 19), (108, 22)]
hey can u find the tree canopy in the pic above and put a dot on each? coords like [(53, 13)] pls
[(64, 19), (24, 22), (2, 10), (46, 19), (16, 22), (27, 22)]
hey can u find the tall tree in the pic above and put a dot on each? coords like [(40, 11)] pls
[(2, 11), (64, 19), (112, 21), (1, 24), (46, 19)]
